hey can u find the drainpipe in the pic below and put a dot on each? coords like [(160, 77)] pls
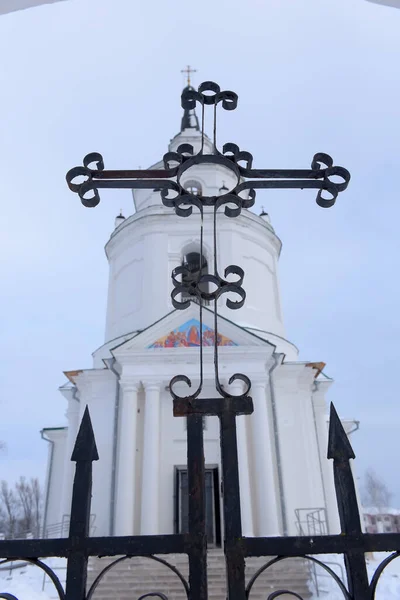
[(110, 362), (278, 358), (75, 394), (46, 503)]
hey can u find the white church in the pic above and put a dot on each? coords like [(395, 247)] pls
[(140, 481)]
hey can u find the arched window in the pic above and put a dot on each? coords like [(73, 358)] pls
[(196, 267), (193, 187)]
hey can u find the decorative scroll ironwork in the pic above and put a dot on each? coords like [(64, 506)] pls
[(322, 176), (121, 559), (78, 547)]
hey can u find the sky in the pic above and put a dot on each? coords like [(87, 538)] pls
[(95, 75)]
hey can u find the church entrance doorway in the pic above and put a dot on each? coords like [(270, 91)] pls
[(213, 514)]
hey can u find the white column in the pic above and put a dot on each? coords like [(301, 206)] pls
[(72, 415), (263, 453), (126, 463), (243, 464), (151, 461)]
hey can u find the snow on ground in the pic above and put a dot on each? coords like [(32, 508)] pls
[(23, 591), (27, 582), (388, 586)]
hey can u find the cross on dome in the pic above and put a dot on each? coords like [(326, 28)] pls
[(188, 71), (189, 119)]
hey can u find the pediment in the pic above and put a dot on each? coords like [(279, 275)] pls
[(191, 334), (180, 329)]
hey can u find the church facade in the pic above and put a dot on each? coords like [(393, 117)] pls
[(140, 481)]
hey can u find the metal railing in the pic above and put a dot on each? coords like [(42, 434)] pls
[(61, 529), (312, 522)]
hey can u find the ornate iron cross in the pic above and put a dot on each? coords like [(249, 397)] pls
[(322, 175)]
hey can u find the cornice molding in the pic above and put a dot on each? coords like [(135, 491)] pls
[(180, 356), (151, 214), (85, 380), (294, 376)]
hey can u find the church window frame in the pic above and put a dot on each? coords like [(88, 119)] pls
[(194, 187), (193, 251)]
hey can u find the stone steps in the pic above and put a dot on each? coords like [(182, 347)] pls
[(131, 578)]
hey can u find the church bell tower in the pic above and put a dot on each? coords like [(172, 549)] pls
[(144, 248)]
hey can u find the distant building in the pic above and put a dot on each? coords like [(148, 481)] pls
[(382, 520)]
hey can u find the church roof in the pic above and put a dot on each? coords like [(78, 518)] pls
[(189, 119)]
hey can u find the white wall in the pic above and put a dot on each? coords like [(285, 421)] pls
[(321, 424), (145, 248), (97, 389), (299, 453)]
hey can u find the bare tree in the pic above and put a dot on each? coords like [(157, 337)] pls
[(20, 509), (24, 492), (376, 493), (3, 521), (37, 505), (29, 503)]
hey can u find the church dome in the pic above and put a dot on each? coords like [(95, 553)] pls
[(189, 133), (189, 119)]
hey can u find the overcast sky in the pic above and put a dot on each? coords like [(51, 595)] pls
[(101, 75)]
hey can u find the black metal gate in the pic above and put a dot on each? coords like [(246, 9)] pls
[(78, 547)]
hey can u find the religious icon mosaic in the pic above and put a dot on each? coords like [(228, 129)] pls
[(188, 335)]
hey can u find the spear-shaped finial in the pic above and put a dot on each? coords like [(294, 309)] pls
[(340, 450), (84, 453), (85, 448), (339, 447)]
